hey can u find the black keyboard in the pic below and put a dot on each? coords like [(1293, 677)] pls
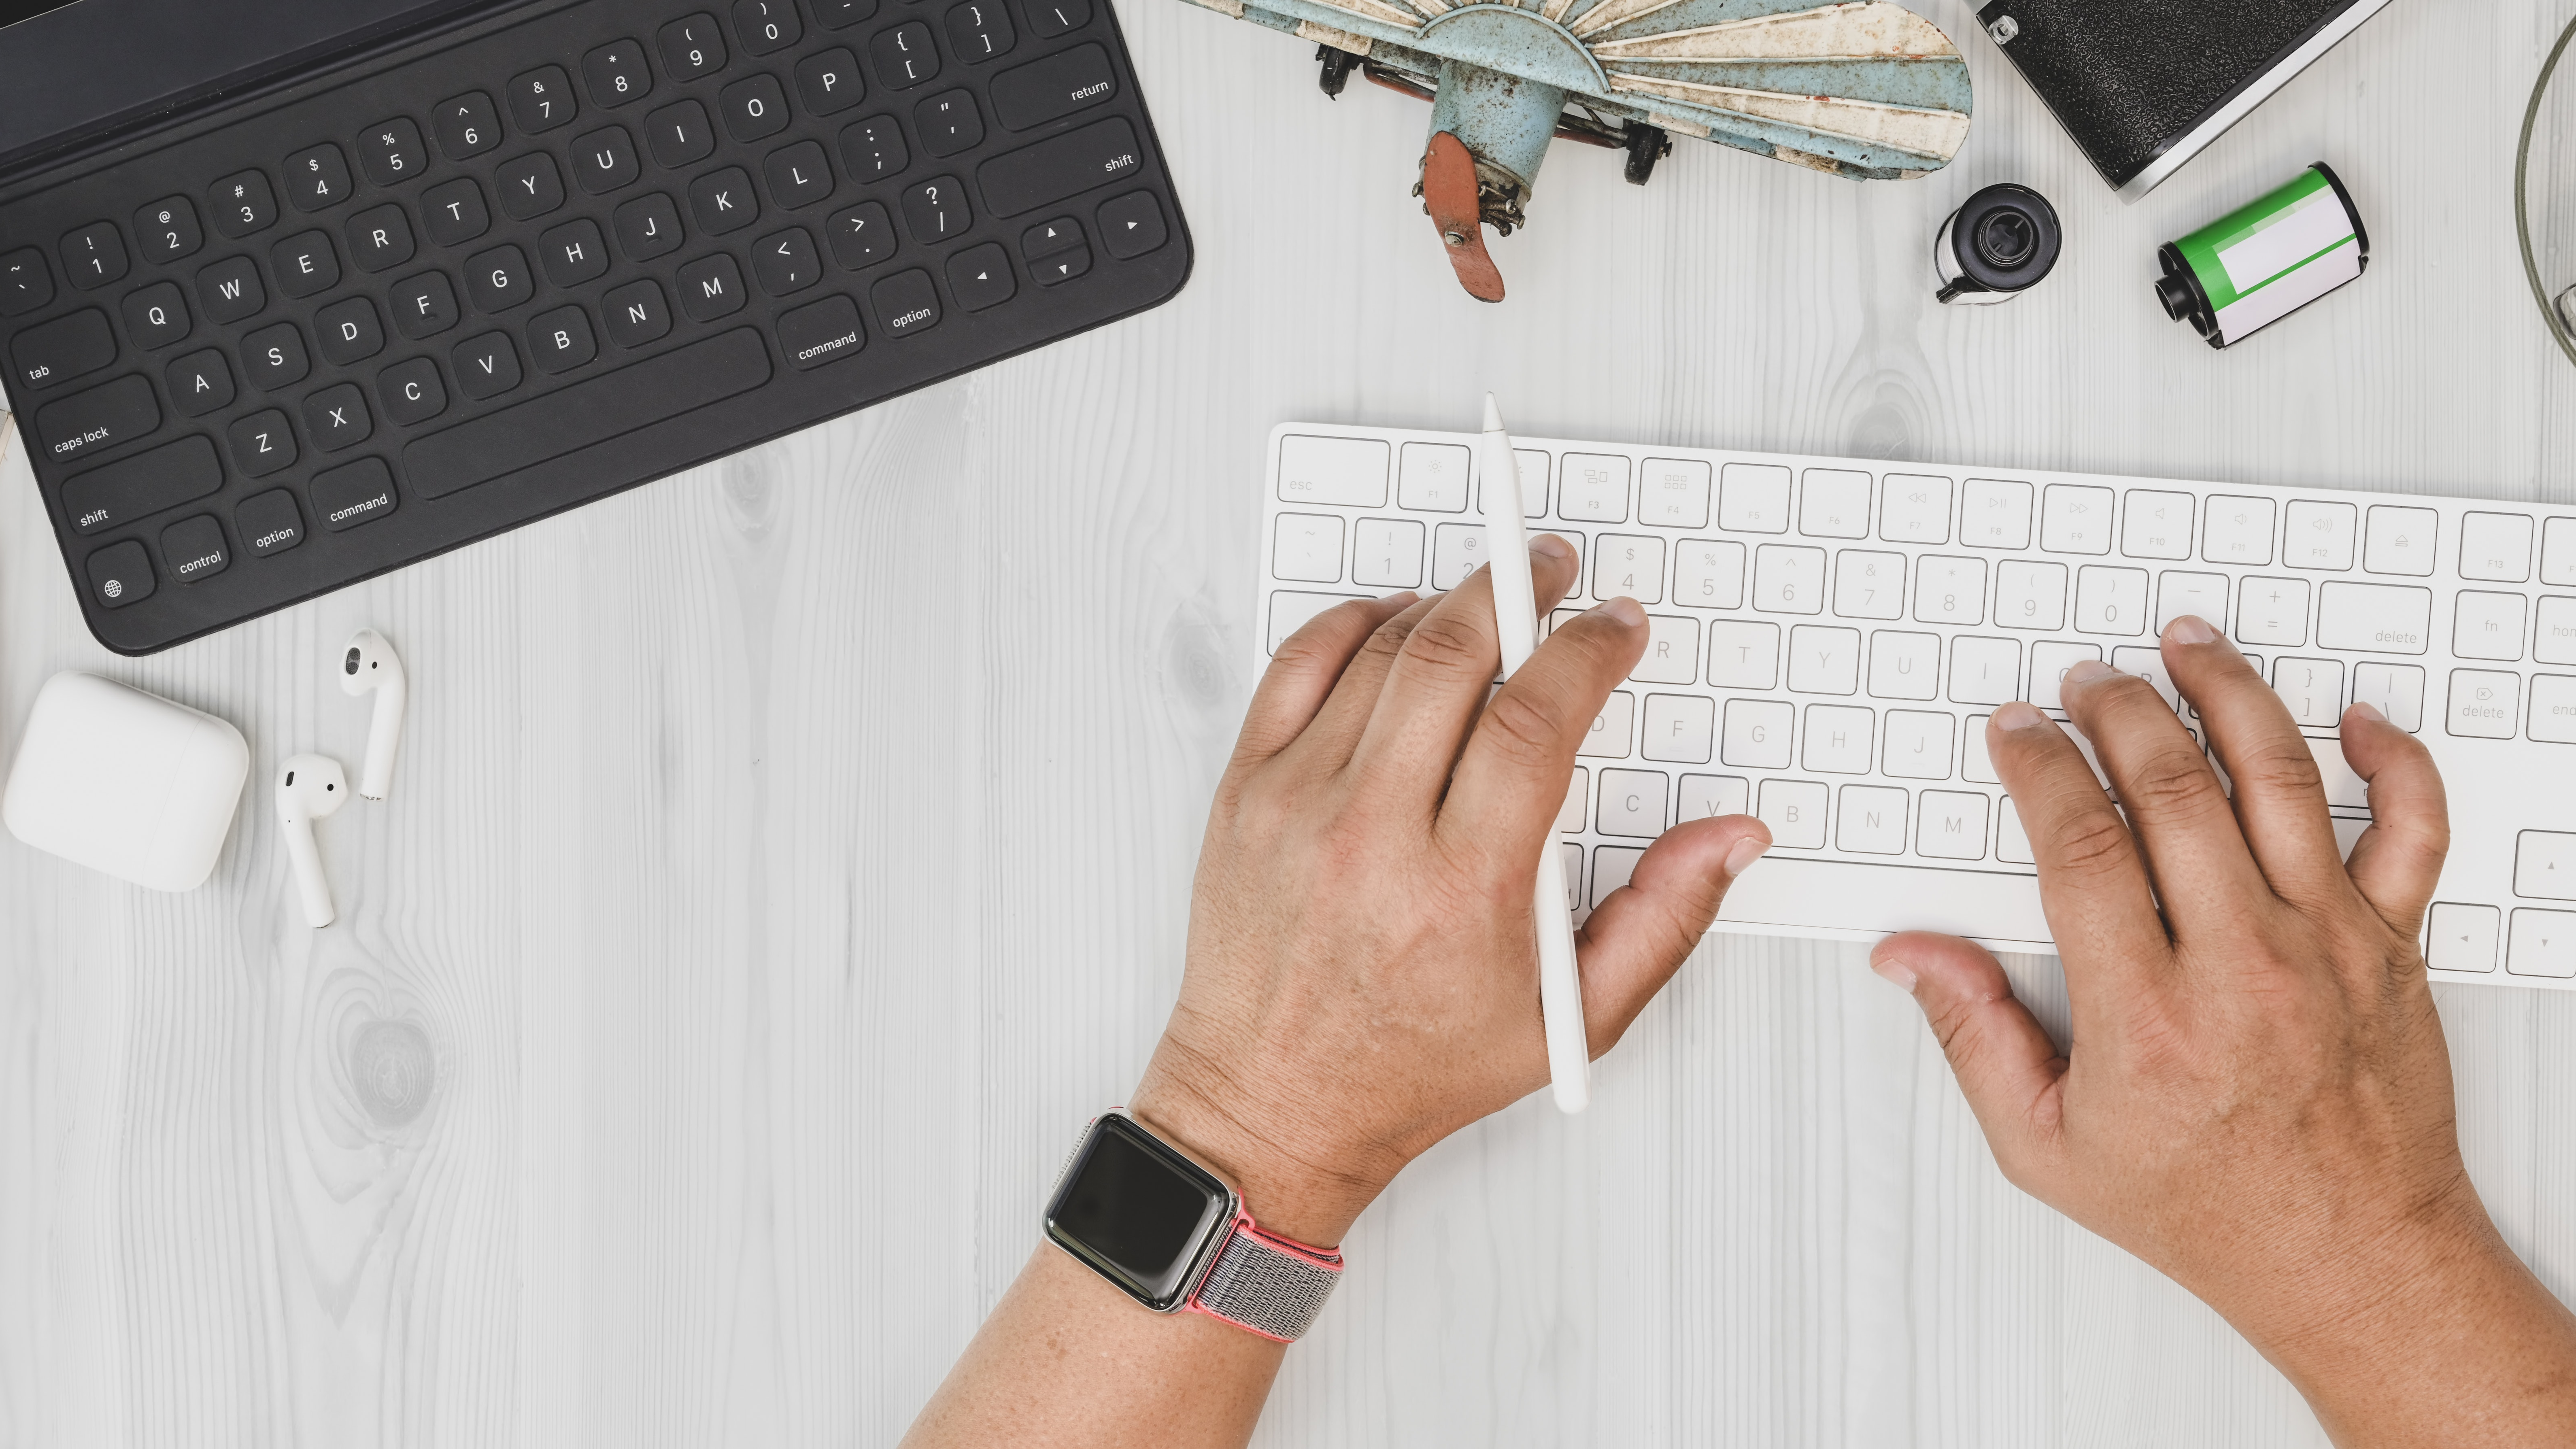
[(490, 273)]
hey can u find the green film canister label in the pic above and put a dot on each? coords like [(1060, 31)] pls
[(2262, 262)]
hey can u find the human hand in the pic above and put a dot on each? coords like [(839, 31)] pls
[(2258, 1097), (1363, 967)]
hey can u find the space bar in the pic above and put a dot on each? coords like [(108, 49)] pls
[(588, 412)]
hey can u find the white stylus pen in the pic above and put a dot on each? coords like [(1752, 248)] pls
[(1560, 989)]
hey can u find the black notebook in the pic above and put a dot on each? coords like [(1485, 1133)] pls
[(2142, 86)]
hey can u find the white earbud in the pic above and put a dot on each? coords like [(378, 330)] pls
[(310, 787), (371, 665)]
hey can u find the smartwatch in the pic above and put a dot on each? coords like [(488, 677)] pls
[(1170, 1233)]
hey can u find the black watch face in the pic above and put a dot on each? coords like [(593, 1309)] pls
[(1135, 1210)]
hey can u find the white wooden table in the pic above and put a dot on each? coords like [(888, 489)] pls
[(787, 857)]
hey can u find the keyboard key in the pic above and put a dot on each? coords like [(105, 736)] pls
[(156, 316), (1994, 513), (906, 303), (2485, 704), (542, 99), (454, 213), (467, 126), (873, 149), (121, 574), (636, 314), (26, 283), (269, 523), (1708, 573), (380, 239), (96, 421), (1757, 734), (1064, 234), (1754, 498), (336, 418), (574, 253), (2030, 595), (1710, 797), (95, 256), (1614, 729), (1869, 585), (2182, 591), (1824, 659), (1914, 508), (904, 56), (2544, 865), (305, 264), (2272, 611), (2049, 661), (692, 47), (842, 14), (561, 340), (2075, 518), (1628, 564), (1386, 553), (530, 187), (360, 492), (2496, 547), (2312, 688), (1051, 89), (2487, 625), (1672, 651), (1434, 475), (2557, 551), (1612, 865), (1794, 809), (980, 277), (2012, 843), (1680, 728), (2462, 937), (1575, 813), (2395, 690), (262, 443), (1974, 763), (1632, 803), (411, 392), (1595, 489), (1051, 18), (2400, 540), (722, 201), (828, 82), (318, 179), (936, 211), (1904, 665), (2110, 600), (1918, 745), (2554, 641), (2319, 535), (1835, 504), (604, 161), (1671, 493), (1743, 655), (616, 73), (243, 204), (711, 287), (648, 227), (194, 549), (1062, 267), (200, 383), (787, 263), (167, 231), (680, 134), (754, 108), (1064, 166), (61, 350), (1951, 825), (486, 366), (1307, 547), (391, 152), (1457, 550), (2553, 709), (1984, 671), (767, 26), (1787, 578), (424, 306), (862, 235), (145, 484), (2147, 662), (2155, 524), (2237, 530), (799, 175), (2380, 618), (980, 30), (499, 280), (1873, 820), (2543, 943)]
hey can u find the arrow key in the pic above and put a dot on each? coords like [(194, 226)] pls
[(1132, 225), (981, 277), (1039, 242), (1062, 267), (2461, 937), (2544, 865), (2544, 944)]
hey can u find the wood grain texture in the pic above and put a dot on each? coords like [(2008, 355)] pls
[(787, 857)]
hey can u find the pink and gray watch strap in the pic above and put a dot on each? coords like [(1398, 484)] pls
[(1265, 1284)]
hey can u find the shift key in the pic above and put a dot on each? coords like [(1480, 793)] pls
[(1066, 165), (143, 485)]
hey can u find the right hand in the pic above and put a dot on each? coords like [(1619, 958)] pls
[(2258, 1097)]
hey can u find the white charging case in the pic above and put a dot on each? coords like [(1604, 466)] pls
[(126, 783)]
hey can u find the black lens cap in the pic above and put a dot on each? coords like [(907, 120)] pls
[(2006, 238)]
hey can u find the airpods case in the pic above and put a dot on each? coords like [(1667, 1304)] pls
[(125, 782)]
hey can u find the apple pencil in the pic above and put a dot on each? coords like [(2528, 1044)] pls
[(1560, 989)]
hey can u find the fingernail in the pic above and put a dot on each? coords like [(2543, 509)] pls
[(1741, 858), (2085, 671), (1407, 599), (1895, 971), (2190, 629), (2367, 711), (1625, 610), (1551, 546), (2019, 716)]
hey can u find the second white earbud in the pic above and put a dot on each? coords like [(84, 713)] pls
[(310, 787), (370, 666)]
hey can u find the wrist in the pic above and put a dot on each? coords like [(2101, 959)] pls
[(1290, 1185)]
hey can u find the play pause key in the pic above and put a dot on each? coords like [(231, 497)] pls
[(981, 277)]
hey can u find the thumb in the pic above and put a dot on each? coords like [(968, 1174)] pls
[(2006, 1065), (1642, 932)]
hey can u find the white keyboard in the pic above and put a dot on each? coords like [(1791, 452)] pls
[(1830, 635)]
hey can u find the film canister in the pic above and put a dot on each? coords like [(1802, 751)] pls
[(2257, 265), (1996, 246)]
